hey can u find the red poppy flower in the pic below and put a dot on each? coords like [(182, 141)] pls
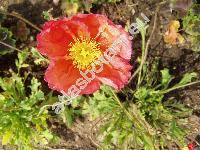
[(77, 45), (190, 146)]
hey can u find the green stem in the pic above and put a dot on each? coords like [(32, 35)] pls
[(178, 87), (142, 59), (124, 109), (146, 47)]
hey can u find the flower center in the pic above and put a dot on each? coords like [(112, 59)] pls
[(83, 52)]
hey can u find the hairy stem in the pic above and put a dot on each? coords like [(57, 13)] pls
[(178, 87), (146, 48)]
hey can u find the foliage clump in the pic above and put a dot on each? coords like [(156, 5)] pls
[(144, 120), (20, 124), (191, 26)]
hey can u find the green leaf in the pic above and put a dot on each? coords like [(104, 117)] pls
[(148, 143), (49, 99), (36, 94), (101, 103), (68, 116), (47, 14), (17, 85), (141, 93), (176, 131), (2, 97), (187, 78), (24, 65), (48, 135), (34, 85), (6, 137), (166, 77), (39, 59), (6, 37), (77, 101), (22, 56), (141, 26), (191, 22)]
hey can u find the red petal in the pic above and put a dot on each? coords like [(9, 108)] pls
[(125, 45), (93, 22), (91, 88), (115, 35), (61, 74), (54, 40), (52, 23), (121, 64), (78, 28), (113, 77)]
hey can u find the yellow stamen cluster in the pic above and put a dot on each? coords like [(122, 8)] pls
[(83, 52)]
